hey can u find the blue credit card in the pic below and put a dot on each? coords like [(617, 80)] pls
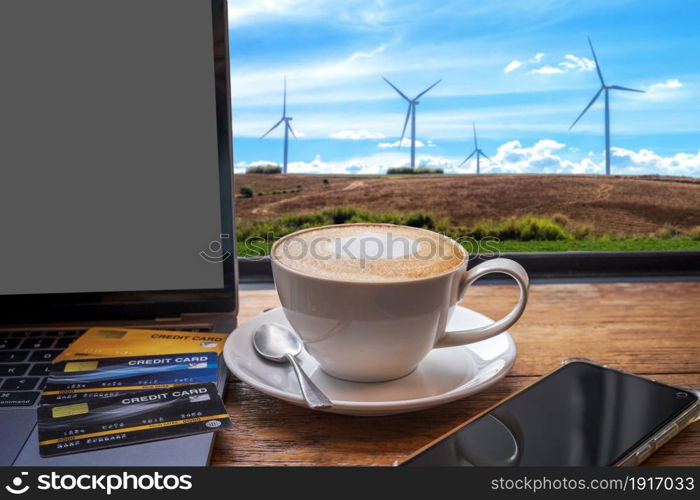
[(98, 377)]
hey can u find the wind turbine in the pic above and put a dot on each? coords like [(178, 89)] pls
[(603, 88), (287, 127), (478, 152), (411, 113)]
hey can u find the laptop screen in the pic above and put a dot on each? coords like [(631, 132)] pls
[(109, 165)]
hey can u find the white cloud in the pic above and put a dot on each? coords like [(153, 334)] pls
[(569, 63), (544, 156), (646, 161), (372, 164), (241, 166), (549, 156), (547, 70), (365, 55), (406, 142), (668, 84), (512, 66), (663, 91), (581, 63), (356, 135)]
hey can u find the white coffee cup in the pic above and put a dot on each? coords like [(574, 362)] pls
[(369, 331)]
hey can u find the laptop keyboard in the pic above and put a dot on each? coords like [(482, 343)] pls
[(25, 361)]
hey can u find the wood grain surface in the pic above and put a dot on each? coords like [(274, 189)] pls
[(651, 329)]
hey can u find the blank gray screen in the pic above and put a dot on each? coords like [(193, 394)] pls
[(109, 174)]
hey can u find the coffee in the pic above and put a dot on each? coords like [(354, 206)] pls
[(369, 252)]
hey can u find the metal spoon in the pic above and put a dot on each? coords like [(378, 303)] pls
[(277, 343)]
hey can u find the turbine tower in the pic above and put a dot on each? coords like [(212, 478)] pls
[(478, 152), (411, 113), (287, 127), (603, 88)]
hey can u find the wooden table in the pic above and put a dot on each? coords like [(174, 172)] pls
[(652, 329)]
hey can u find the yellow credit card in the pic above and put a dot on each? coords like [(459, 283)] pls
[(108, 342)]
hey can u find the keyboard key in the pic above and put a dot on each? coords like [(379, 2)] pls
[(17, 370), (47, 355), (26, 398), (39, 369), (63, 342), (68, 333), (19, 383), (13, 356), (41, 384), (37, 333), (8, 344), (40, 343), (18, 335)]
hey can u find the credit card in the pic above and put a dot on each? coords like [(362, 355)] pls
[(93, 378), (122, 342), (130, 419)]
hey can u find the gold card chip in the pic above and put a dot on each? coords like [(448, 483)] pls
[(80, 366), (111, 334), (69, 410)]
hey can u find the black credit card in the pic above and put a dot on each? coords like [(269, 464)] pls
[(130, 418)]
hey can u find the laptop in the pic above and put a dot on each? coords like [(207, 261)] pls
[(115, 193)]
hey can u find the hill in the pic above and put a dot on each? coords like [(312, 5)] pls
[(619, 204)]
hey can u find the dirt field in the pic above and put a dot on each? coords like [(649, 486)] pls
[(624, 205)]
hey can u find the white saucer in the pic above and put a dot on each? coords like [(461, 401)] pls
[(444, 375)]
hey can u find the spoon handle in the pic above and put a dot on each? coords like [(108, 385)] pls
[(312, 394)]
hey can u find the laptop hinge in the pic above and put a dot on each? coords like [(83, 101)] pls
[(185, 317)]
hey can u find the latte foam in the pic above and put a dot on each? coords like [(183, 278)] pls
[(369, 252)]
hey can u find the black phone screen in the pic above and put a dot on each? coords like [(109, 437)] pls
[(582, 414)]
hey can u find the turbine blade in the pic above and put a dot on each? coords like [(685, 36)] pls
[(617, 87), (467, 158), (586, 108), (284, 102), (397, 90), (290, 129), (426, 90), (484, 155), (597, 66), (474, 126), (405, 124), (272, 128)]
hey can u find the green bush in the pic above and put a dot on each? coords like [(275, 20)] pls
[(530, 227), (417, 170), (527, 228), (246, 192), (668, 232), (581, 232), (287, 224), (561, 219), (264, 169)]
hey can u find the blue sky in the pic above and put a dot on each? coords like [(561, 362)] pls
[(522, 70)]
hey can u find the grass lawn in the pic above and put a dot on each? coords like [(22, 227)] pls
[(602, 245)]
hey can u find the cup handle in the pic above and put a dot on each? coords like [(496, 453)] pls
[(500, 265)]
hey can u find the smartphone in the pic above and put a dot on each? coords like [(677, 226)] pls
[(582, 413)]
